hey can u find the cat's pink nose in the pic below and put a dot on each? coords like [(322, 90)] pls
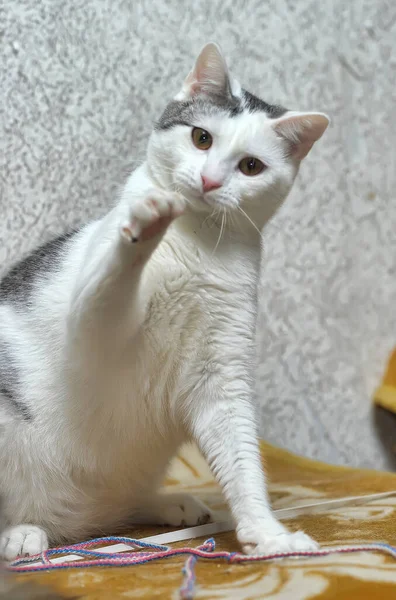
[(208, 184)]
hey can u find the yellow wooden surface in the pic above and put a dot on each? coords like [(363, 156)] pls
[(294, 480)]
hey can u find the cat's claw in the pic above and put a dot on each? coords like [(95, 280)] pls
[(151, 215), (22, 540)]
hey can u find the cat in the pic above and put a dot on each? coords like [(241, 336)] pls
[(135, 334)]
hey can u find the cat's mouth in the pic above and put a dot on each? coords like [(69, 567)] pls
[(203, 198), (197, 196)]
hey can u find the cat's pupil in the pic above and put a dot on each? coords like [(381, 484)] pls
[(203, 137), (251, 164)]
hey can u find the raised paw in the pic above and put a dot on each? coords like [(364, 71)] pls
[(22, 540), (283, 543), (151, 215), (181, 510)]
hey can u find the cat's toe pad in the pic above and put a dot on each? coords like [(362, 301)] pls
[(22, 540)]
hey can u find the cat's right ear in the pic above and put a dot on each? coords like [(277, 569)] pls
[(209, 75), (301, 131)]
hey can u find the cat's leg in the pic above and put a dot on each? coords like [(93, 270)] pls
[(177, 510), (22, 540), (107, 303), (226, 434)]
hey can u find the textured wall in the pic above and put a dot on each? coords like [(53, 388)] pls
[(80, 84)]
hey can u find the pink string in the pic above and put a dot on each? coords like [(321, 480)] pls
[(152, 552)]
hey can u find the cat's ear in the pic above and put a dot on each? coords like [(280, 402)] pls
[(209, 75), (301, 130)]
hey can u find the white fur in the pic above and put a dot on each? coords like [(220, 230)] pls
[(130, 350)]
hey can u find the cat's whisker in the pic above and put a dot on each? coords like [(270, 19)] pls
[(233, 220), (220, 233), (250, 221), (212, 216)]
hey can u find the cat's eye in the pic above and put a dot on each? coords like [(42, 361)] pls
[(251, 166), (201, 138)]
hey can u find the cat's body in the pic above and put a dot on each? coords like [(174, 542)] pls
[(113, 354), (123, 417)]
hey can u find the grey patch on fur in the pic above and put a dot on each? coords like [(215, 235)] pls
[(9, 384), (18, 284), (189, 112), (254, 104), (16, 405)]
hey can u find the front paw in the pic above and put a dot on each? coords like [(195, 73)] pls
[(282, 543), (181, 510), (22, 540), (151, 215)]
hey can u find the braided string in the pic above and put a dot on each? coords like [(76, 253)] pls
[(92, 558)]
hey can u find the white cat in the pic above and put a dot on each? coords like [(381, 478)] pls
[(114, 353)]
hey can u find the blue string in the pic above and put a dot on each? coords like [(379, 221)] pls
[(75, 549), (186, 591)]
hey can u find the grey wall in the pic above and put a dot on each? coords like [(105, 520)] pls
[(81, 83)]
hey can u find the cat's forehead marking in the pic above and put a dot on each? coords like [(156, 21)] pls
[(254, 104), (190, 111)]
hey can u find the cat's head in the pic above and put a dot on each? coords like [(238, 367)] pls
[(222, 147)]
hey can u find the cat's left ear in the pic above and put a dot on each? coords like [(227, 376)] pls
[(301, 130), (209, 76)]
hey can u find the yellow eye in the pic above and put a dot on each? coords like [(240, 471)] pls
[(201, 138), (251, 166)]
